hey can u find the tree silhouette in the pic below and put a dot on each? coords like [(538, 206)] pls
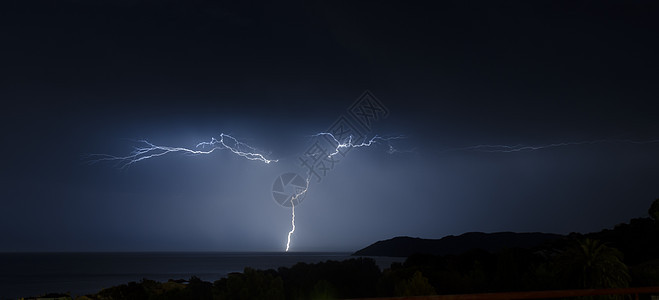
[(654, 210), (251, 284), (416, 286), (591, 264)]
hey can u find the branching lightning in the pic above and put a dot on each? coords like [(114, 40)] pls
[(521, 148), (348, 143), (151, 150), (293, 198), (226, 142)]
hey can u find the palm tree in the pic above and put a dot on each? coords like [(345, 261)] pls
[(654, 210), (592, 264)]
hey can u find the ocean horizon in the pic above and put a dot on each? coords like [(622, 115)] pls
[(27, 274)]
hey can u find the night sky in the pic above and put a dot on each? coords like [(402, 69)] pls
[(95, 77)]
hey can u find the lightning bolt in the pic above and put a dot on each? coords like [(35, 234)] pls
[(520, 147), (347, 143), (227, 142), (288, 239), (151, 150), (293, 198)]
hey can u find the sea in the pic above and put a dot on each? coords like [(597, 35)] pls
[(35, 274)]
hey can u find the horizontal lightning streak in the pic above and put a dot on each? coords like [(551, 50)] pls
[(519, 147), (152, 150), (348, 143)]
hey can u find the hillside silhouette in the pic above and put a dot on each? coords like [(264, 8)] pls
[(475, 262), (492, 242)]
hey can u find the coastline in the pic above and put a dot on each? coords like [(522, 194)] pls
[(81, 273)]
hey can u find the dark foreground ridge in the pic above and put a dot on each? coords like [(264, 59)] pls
[(404, 246), (624, 256)]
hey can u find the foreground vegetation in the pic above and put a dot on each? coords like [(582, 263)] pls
[(627, 255)]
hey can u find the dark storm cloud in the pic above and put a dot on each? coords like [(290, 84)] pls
[(84, 77)]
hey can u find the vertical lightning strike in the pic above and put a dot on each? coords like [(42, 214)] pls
[(152, 150), (349, 144), (227, 142), (288, 239), (293, 198)]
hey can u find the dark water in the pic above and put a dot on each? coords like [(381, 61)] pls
[(32, 274)]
